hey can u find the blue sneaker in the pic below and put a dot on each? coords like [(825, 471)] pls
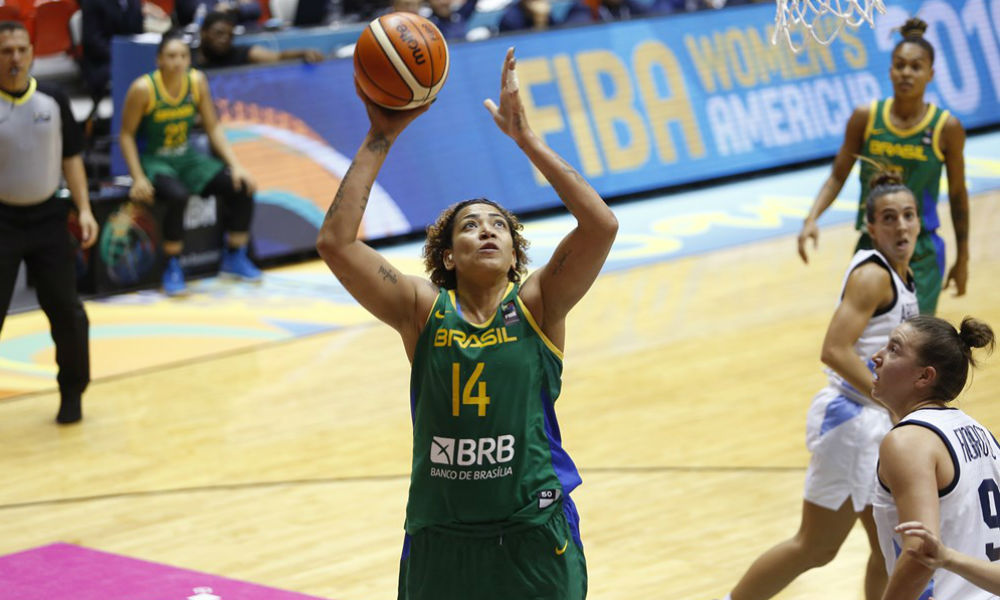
[(236, 263), (173, 278)]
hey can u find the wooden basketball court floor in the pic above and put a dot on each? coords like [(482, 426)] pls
[(286, 462)]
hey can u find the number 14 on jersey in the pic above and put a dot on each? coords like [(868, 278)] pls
[(463, 394)]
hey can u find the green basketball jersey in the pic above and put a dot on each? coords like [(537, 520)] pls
[(486, 446), (915, 152), (167, 122)]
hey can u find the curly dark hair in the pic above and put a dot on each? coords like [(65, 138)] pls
[(439, 236)]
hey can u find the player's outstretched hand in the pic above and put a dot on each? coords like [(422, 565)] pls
[(509, 116), (959, 276), (386, 122), (931, 552), (809, 231)]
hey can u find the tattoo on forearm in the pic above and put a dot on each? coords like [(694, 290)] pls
[(560, 262), (568, 168), (379, 144), (335, 205), (339, 196), (364, 199), (387, 274)]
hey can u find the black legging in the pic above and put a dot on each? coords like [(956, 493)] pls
[(235, 206), (37, 236)]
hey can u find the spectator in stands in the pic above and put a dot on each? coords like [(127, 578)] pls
[(160, 110), (245, 12), (603, 11), (364, 10), (452, 23), (410, 6), (521, 15), (217, 49), (102, 20)]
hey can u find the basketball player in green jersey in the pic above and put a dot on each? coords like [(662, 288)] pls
[(916, 138), (489, 513), (159, 113)]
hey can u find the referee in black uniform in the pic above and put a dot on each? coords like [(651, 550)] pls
[(39, 138)]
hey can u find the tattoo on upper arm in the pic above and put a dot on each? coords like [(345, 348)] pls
[(560, 261), (388, 274), (568, 168)]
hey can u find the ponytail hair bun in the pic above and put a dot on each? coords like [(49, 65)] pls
[(976, 334), (914, 27), (913, 31), (949, 351)]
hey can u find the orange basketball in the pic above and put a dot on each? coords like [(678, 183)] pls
[(401, 61)]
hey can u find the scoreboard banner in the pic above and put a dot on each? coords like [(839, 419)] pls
[(634, 106)]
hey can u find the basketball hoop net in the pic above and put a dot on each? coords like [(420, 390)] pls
[(822, 19)]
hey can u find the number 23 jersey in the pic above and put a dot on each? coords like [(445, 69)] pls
[(970, 504), (486, 445)]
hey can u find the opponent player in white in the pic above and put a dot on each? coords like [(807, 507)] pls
[(845, 425), (938, 465)]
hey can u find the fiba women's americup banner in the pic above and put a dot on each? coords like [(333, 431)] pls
[(634, 106)]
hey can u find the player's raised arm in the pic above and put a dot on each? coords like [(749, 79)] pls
[(391, 296), (552, 291), (868, 288), (854, 137)]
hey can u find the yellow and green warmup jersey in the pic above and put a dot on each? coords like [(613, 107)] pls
[(486, 446), (914, 152), (167, 122)]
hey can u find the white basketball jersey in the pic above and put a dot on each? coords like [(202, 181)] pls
[(880, 325), (970, 505)]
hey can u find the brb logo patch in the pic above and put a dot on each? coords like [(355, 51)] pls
[(466, 452)]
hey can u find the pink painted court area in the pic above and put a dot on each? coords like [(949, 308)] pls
[(67, 572)]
